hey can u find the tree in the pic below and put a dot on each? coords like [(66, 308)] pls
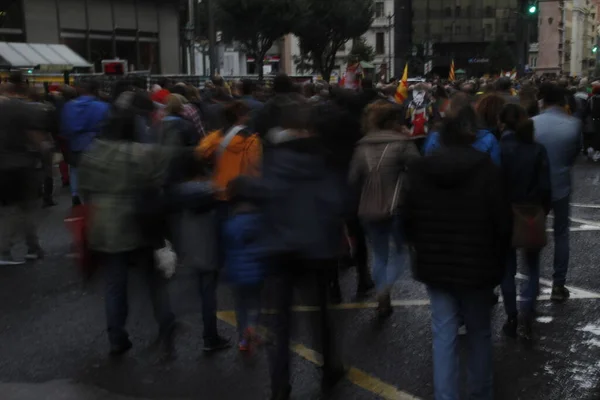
[(500, 55), (361, 51), (256, 24), (325, 25)]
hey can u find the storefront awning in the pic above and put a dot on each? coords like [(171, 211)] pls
[(43, 57)]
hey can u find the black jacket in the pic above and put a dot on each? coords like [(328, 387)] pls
[(457, 219), (301, 201), (526, 172)]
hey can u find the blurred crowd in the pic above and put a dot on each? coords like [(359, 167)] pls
[(262, 189)]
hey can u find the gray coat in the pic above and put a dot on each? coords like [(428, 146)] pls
[(400, 152), (561, 136)]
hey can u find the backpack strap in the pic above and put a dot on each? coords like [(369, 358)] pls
[(382, 155), (231, 133)]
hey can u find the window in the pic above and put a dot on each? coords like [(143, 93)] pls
[(489, 30), (379, 9), (457, 11), (457, 30), (468, 29), (380, 42), (489, 12), (448, 30), (506, 27), (447, 12), (469, 11), (11, 15)]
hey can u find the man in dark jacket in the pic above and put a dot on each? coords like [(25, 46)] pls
[(457, 223), (301, 199), (22, 139)]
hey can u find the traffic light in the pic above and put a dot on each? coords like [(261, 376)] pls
[(594, 49), (532, 9)]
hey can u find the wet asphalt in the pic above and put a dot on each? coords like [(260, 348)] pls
[(52, 330)]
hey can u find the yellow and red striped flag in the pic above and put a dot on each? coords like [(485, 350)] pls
[(452, 76), (402, 90)]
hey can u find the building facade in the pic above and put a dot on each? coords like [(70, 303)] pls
[(461, 30), (568, 34), (146, 33)]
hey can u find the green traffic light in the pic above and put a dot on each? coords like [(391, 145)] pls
[(532, 9), (594, 49)]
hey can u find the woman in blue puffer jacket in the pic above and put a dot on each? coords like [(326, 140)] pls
[(485, 140)]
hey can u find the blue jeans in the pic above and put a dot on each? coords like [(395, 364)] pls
[(247, 307), (388, 263), (116, 268), (509, 288), (448, 307), (561, 210)]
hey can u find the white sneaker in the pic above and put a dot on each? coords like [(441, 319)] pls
[(462, 330)]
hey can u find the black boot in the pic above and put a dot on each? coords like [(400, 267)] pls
[(510, 327)]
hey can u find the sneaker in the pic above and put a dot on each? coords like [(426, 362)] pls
[(118, 349), (384, 307), (7, 259), (526, 329), (244, 346), (462, 330), (217, 344), (560, 293), (510, 327), (76, 201)]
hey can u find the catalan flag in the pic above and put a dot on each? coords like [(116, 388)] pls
[(452, 76), (402, 90)]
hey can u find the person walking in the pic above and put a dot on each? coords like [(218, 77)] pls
[(115, 173), (560, 134), (236, 151), (377, 172), (526, 174), (301, 200), (456, 221), (22, 149), (81, 122)]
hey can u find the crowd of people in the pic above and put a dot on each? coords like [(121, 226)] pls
[(248, 186)]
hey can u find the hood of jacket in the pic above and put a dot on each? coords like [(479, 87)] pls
[(304, 159), (382, 137), (453, 166)]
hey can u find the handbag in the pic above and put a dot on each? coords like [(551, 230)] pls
[(529, 226), (373, 205)]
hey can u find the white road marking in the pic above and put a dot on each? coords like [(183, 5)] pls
[(585, 205), (576, 293)]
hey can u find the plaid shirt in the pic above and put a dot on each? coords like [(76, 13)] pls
[(191, 114)]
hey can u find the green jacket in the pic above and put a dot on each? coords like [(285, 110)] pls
[(111, 176)]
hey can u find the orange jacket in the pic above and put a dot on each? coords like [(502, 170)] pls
[(242, 157)]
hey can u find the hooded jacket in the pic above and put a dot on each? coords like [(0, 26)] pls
[(81, 121), (369, 151), (485, 141), (241, 157), (457, 219)]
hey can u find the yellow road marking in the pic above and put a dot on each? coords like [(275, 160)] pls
[(355, 375)]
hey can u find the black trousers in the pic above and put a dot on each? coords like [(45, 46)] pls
[(289, 271)]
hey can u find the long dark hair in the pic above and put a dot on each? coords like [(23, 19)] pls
[(511, 116), (525, 131), (460, 128)]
